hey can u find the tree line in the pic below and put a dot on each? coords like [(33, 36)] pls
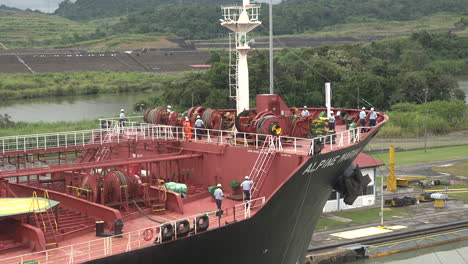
[(377, 74), (199, 19)]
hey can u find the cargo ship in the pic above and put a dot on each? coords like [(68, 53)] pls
[(140, 189)]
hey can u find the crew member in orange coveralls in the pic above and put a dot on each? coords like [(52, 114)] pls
[(187, 128)]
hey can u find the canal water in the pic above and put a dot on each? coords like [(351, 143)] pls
[(72, 108), (89, 107), (453, 253)]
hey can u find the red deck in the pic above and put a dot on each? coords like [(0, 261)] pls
[(161, 153)]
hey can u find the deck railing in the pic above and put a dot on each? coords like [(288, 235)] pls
[(145, 237), (143, 131)]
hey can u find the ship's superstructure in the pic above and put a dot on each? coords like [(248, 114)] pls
[(241, 20)]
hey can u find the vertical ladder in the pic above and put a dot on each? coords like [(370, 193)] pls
[(233, 62), (262, 165), (160, 204)]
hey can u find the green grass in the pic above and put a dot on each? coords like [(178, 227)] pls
[(327, 223), (459, 169), (375, 27), (24, 128), (27, 29), (17, 86), (459, 196), (360, 216), (419, 156), (23, 29), (368, 215)]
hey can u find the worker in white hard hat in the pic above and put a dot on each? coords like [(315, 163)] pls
[(218, 194), (305, 112), (246, 186), (331, 122), (169, 109), (372, 118), (199, 125), (187, 128), (362, 118), (122, 118)]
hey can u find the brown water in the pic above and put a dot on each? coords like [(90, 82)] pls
[(89, 107), (72, 108)]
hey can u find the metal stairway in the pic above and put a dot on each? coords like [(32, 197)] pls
[(45, 220), (262, 164)]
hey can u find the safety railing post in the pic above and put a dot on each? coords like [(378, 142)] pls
[(71, 254), (24, 144), (221, 137), (139, 239), (66, 141), (100, 136), (16, 143), (58, 140), (89, 250)]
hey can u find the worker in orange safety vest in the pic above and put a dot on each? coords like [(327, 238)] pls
[(187, 128)]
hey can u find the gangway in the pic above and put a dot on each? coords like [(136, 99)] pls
[(263, 163)]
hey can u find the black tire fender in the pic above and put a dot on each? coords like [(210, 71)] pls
[(182, 228), (202, 223), (167, 232)]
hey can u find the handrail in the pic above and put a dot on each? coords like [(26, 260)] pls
[(144, 131), (102, 247)]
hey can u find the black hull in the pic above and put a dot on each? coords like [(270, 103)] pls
[(279, 233)]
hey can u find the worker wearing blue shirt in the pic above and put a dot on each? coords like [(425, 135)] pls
[(218, 194), (372, 118), (199, 124), (305, 112), (246, 185)]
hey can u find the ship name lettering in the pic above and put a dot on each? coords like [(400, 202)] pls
[(330, 161)]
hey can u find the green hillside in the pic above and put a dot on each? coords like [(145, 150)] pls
[(375, 27), (92, 9), (149, 28), (27, 29)]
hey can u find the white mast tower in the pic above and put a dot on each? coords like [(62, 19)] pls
[(241, 20)]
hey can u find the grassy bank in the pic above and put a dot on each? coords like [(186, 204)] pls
[(419, 156), (25, 29), (440, 118), (459, 169), (376, 27), (359, 217), (18, 86), (24, 128)]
